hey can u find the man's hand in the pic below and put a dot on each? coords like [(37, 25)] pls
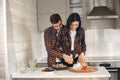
[(68, 59)]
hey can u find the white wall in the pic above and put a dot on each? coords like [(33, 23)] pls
[(23, 37), (102, 42), (2, 44), (43, 57)]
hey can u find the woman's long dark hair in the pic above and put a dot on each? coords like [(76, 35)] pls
[(73, 17)]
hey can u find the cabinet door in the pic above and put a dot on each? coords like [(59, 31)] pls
[(51, 6), (48, 7), (44, 21)]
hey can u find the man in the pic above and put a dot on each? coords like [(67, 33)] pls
[(50, 36)]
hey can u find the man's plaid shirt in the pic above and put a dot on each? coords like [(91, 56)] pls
[(50, 37)]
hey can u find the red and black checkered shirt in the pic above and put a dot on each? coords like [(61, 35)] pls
[(64, 41), (50, 37)]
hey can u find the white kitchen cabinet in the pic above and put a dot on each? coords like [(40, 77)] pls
[(44, 21), (47, 8)]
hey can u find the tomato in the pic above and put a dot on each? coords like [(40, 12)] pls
[(84, 67), (43, 70)]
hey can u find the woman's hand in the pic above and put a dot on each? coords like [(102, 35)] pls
[(81, 59), (68, 59)]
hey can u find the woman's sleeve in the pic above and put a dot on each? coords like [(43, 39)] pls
[(83, 42)]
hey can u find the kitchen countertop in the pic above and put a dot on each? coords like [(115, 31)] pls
[(103, 59), (100, 73), (91, 59)]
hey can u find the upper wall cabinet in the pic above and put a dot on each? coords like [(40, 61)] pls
[(48, 7)]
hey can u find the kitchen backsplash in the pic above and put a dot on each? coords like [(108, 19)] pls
[(102, 42), (2, 43)]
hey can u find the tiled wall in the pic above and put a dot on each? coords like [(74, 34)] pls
[(23, 37), (103, 42), (2, 44)]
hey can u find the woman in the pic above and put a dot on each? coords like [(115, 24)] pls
[(72, 40)]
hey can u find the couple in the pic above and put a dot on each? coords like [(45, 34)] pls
[(65, 43)]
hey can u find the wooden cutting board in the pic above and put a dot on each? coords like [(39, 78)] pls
[(89, 69), (61, 68)]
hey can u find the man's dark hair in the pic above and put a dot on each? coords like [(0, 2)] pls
[(54, 18)]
